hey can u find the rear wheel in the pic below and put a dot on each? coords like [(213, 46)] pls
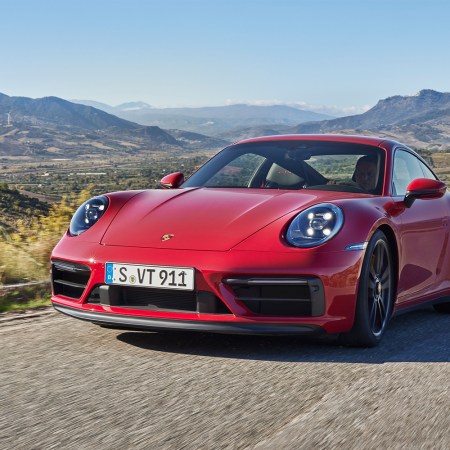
[(375, 295)]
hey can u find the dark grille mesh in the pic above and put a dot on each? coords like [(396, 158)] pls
[(69, 279), (159, 299), (282, 298)]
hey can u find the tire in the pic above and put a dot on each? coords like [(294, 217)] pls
[(443, 308), (375, 298)]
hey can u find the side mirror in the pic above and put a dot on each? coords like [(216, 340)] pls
[(172, 181), (423, 188)]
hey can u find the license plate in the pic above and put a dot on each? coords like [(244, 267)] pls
[(150, 276)]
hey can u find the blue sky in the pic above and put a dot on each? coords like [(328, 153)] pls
[(346, 54)]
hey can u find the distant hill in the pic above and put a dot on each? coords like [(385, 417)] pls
[(195, 139), (132, 106), (124, 107), (54, 111), (102, 106), (212, 120), (53, 126), (246, 133), (422, 120)]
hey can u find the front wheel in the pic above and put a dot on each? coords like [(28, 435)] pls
[(375, 295)]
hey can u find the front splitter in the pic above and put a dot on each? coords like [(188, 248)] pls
[(151, 324)]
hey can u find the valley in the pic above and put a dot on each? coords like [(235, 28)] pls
[(55, 177)]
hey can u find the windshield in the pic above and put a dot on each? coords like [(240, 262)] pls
[(295, 165)]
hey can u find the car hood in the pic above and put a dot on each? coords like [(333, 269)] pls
[(201, 218)]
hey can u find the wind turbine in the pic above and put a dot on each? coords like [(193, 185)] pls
[(9, 119)]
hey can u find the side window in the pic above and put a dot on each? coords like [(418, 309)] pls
[(406, 168), (427, 173)]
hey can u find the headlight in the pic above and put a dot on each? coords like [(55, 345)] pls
[(88, 214), (315, 225)]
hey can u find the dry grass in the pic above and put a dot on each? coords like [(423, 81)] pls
[(19, 264)]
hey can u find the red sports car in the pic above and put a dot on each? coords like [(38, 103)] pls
[(283, 234)]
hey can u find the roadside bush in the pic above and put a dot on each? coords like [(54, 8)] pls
[(25, 253)]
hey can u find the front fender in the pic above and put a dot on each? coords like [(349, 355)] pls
[(362, 217)]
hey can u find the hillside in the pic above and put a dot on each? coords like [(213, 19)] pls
[(421, 120), (15, 206), (52, 127), (43, 142), (55, 128), (247, 133), (56, 112)]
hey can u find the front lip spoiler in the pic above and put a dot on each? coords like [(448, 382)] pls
[(151, 324)]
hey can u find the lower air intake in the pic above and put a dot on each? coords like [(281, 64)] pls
[(288, 297), (69, 279), (158, 299)]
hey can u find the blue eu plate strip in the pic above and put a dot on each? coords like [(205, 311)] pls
[(109, 272)]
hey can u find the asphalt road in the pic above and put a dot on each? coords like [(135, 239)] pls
[(68, 384)]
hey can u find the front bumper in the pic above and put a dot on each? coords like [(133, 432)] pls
[(332, 311)]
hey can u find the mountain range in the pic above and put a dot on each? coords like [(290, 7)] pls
[(420, 120), (210, 120), (50, 126)]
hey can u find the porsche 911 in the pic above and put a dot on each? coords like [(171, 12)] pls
[(293, 234)]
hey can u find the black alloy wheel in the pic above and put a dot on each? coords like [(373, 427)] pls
[(375, 294)]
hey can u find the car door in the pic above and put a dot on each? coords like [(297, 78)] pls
[(424, 235)]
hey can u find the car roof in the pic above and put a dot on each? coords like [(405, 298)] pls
[(367, 140)]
